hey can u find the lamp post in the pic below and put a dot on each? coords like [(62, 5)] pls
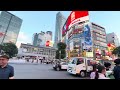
[(59, 55)]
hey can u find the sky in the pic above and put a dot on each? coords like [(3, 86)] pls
[(37, 21)]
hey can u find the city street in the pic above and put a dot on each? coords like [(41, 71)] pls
[(40, 71)]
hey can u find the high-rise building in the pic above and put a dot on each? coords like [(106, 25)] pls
[(9, 27), (113, 39), (40, 39), (35, 39), (99, 40), (88, 40), (50, 34), (60, 21)]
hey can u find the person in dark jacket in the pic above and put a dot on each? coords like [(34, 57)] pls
[(107, 65), (116, 70)]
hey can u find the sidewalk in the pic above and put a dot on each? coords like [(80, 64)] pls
[(16, 61), (22, 61)]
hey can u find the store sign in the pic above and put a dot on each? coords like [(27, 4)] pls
[(89, 54)]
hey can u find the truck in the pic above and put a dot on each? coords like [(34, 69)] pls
[(80, 66)]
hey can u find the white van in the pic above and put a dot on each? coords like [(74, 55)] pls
[(79, 66)]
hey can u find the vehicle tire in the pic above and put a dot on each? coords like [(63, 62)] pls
[(58, 68), (82, 74)]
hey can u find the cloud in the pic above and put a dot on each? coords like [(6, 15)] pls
[(23, 38)]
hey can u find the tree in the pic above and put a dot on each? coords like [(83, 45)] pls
[(116, 51), (61, 45), (61, 48), (57, 54), (10, 49)]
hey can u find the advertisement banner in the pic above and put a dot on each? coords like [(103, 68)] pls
[(49, 43), (74, 18), (71, 46), (87, 43), (77, 17), (65, 26)]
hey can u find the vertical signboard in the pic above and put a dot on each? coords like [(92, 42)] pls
[(87, 44)]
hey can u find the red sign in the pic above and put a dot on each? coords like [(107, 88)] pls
[(78, 14), (47, 43), (72, 18), (65, 27)]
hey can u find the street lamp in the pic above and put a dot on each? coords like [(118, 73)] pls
[(59, 55)]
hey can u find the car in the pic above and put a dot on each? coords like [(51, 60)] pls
[(60, 66)]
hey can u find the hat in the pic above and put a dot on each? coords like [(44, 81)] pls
[(117, 61), (4, 56), (107, 64)]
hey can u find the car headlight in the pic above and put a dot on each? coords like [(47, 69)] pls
[(74, 69)]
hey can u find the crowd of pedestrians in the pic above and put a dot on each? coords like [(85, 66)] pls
[(103, 71)]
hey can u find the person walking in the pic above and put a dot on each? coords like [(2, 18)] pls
[(107, 65), (100, 72), (6, 71), (116, 70), (109, 73), (92, 75)]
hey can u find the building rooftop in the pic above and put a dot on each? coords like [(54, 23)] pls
[(97, 25), (37, 46)]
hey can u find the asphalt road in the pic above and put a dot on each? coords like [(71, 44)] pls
[(40, 71)]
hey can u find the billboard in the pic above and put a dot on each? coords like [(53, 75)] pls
[(49, 43), (65, 26), (77, 17), (87, 41), (111, 47), (71, 46), (74, 18)]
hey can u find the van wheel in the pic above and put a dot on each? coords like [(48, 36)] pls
[(82, 73)]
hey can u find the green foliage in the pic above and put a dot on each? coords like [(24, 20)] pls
[(63, 54), (10, 49), (57, 54), (61, 45), (61, 48), (116, 51)]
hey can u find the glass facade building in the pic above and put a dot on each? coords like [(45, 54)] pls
[(60, 21), (39, 39), (10, 26), (35, 39)]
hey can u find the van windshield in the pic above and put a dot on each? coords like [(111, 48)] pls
[(76, 61), (80, 61)]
